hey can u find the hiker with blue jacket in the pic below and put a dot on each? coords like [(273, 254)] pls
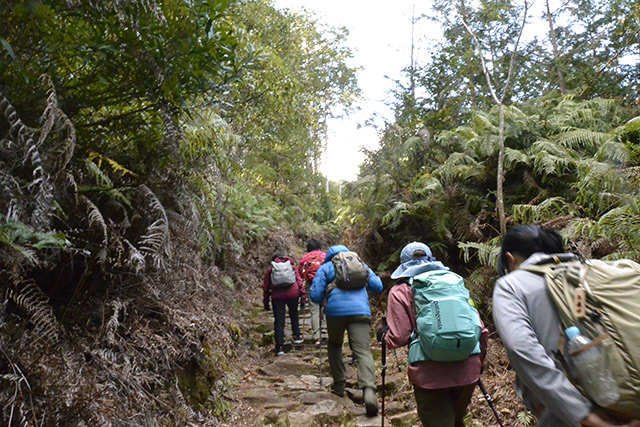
[(344, 283), (442, 389), (528, 323)]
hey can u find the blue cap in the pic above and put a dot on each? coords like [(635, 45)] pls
[(572, 332)]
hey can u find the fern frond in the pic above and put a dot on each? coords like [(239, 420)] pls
[(101, 178), (613, 151), (112, 325), (393, 218), (551, 159), (95, 217), (155, 240), (514, 158), (583, 139), (29, 297), (486, 253), (426, 185), (459, 166), (547, 210), (115, 166)]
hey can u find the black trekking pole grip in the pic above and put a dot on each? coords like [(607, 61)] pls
[(489, 400)]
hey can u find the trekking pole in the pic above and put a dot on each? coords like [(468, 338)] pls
[(384, 371), (320, 345), (304, 321), (489, 399)]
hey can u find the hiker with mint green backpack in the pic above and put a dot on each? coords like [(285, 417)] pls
[(344, 281), (547, 297), (430, 311)]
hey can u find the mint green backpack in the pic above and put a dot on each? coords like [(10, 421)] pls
[(448, 324)]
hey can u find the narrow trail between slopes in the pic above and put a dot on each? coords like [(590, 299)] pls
[(294, 389)]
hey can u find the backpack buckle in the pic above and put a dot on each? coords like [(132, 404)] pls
[(579, 303)]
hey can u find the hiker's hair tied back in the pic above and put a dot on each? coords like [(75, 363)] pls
[(525, 240)]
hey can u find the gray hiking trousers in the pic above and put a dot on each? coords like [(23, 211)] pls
[(358, 329)]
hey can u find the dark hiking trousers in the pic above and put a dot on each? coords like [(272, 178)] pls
[(357, 328), (279, 312), (443, 408)]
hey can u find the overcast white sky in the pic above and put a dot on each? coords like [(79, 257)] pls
[(380, 38)]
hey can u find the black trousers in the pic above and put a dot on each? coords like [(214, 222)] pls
[(279, 312)]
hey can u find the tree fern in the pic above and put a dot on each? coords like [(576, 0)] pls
[(546, 210), (459, 166), (486, 254), (583, 139)]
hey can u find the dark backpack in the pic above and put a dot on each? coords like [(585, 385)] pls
[(351, 272), (282, 274), (311, 266)]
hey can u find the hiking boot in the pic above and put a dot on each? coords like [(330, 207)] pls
[(338, 388), (298, 340), (370, 402), (279, 351)]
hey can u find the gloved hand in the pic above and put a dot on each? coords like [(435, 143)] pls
[(266, 306), (302, 303), (380, 333)]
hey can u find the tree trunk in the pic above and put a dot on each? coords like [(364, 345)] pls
[(500, 180), (556, 56)]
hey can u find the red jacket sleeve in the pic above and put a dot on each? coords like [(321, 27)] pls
[(401, 318), (302, 261)]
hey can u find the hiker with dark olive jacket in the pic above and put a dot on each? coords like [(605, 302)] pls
[(442, 390), (529, 326), (283, 298), (348, 310)]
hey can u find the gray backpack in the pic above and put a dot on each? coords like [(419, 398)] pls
[(282, 274)]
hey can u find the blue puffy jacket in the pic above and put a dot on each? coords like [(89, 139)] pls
[(340, 302)]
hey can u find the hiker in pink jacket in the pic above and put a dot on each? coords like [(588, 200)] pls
[(283, 285), (309, 264), (442, 390)]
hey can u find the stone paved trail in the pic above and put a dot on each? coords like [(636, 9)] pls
[(294, 389)]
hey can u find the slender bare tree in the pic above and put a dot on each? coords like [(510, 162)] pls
[(554, 45), (499, 98)]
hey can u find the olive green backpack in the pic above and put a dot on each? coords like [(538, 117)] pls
[(351, 272), (602, 298)]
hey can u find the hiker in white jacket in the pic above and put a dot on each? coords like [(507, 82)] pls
[(527, 321)]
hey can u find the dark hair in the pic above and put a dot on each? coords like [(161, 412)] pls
[(277, 254), (313, 245), (525, 240)]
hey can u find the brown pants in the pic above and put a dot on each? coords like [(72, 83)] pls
[(443, 408)]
